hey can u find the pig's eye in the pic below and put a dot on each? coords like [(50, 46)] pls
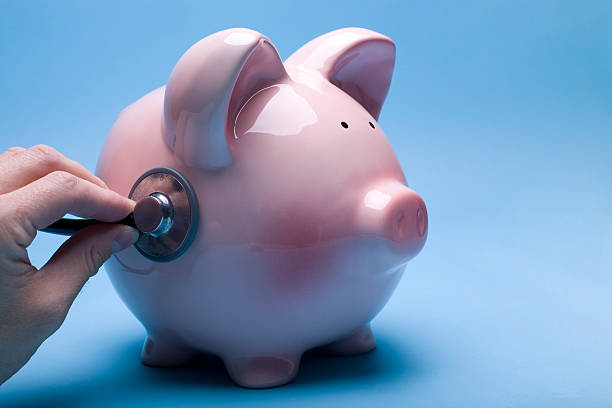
[(344, 124), (371, 125)]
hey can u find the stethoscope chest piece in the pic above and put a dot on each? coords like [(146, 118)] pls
[(170, 207)]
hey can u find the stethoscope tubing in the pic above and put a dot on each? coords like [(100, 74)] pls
[(70, 226)]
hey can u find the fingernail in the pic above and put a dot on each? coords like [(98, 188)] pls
[(125, 237)]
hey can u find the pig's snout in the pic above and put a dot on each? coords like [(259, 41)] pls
[(396, 213), (406, 217)]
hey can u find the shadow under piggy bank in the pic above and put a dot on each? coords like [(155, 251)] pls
[(124, 381)]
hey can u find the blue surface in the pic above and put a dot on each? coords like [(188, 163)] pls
[(500, 113)]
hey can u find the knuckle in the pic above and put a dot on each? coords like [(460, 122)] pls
[(18, 229), (45, 154), (15, 225), (64, 180), (14, 150), (10, 219)]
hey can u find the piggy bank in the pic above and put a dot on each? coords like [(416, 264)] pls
[(305, 219)]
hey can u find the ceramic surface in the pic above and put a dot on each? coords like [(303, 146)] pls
[(306, 222)]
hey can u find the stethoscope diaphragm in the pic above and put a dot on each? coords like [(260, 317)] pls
[(175, 197)]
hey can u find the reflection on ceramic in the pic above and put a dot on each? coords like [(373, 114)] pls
[(306, 221)]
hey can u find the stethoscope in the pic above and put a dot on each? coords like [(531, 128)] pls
[(166, 214)]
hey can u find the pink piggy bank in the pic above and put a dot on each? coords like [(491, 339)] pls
[(306, 222)]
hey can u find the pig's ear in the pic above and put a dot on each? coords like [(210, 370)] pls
[(206, 89), (356, 60)]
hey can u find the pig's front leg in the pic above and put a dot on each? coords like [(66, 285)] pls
[(358, 341), (158, 353), (263, 371)]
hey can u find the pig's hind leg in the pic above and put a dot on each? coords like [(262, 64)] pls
[(358, 341), (159, 353), (263, 371)]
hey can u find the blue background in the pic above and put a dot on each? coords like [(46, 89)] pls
[(501, 115)]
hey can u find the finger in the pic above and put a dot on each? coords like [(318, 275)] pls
[(19, 167), (80, 257), (47, 199)]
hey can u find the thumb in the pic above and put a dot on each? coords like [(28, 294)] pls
[(80, 257)]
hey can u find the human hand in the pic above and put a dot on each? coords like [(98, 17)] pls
[(37, 187)]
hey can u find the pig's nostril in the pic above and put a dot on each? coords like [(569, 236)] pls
[(421, 222), (399, 226)]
